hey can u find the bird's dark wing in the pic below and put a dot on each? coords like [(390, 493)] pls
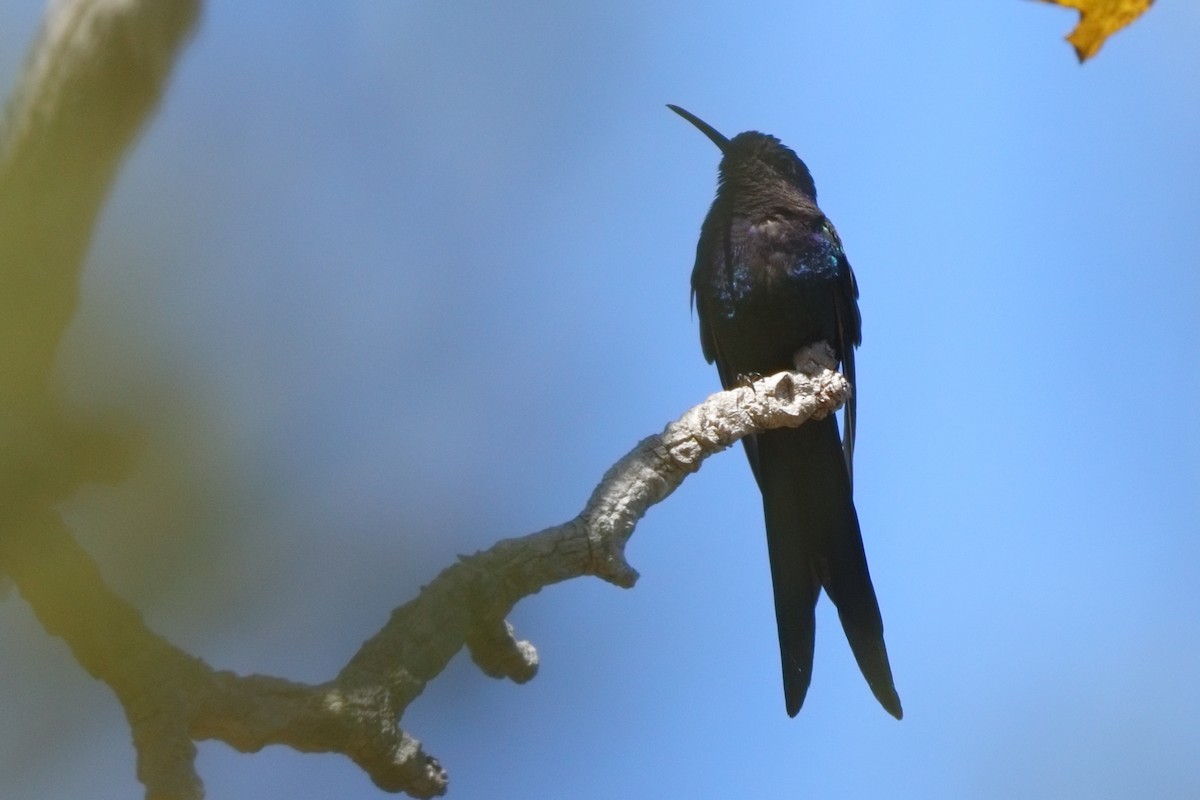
[(849, 336), (713, 258)]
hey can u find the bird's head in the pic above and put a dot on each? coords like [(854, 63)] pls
[(755, 159)]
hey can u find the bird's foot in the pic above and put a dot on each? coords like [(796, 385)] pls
[(814, 358), (746, 380)]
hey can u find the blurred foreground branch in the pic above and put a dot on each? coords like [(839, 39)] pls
[(94, 76), (92, 79)]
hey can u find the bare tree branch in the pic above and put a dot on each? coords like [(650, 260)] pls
[(172, 698)]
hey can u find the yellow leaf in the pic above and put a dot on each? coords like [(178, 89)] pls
[(1099, 19)]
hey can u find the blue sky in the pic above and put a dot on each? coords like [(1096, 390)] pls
[(387, 281)]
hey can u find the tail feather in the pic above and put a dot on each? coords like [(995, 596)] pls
[(796, 593), (814, 541)]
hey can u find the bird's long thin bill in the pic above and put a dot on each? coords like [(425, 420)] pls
[(708, 130)]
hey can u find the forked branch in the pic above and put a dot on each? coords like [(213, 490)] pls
[(172, 699)]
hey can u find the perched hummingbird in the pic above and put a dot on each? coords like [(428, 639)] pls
[(770, 278)]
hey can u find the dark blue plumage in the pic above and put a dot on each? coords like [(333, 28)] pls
[(771, 277)]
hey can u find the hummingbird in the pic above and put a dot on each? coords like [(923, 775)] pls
[(771, 277)]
